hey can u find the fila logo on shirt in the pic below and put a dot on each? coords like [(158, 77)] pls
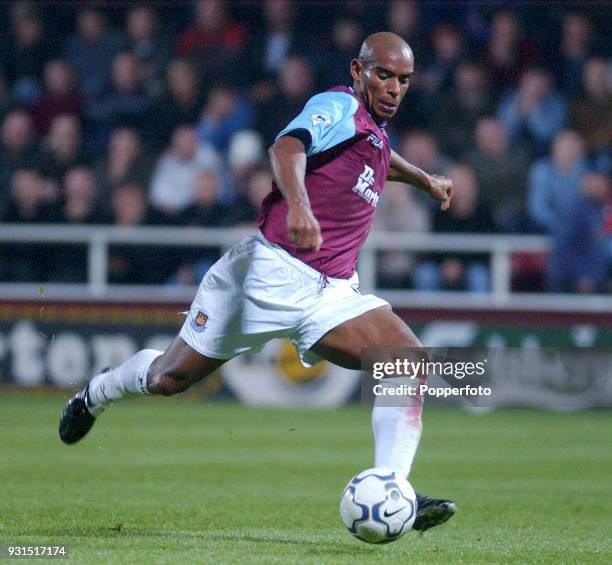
[(375, 141), (364, 182)]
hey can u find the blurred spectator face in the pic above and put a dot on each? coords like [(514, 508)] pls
[(90, 25), (129, 204), (576, 32), (447, 43), (347, 34), (465, 191), (182, 81), (568, 148), (185, 143), (403, 18), (421, 149), (124, 144), (210, 15), (59, 78), (470, 78), (535, 85), (141, 23), (80, 184), (65, 135), (27, 189), (28, 30), (596, 186), (504, 28), (207, 189), (491, 137), (221, 103), (295, 78), (126, 72), (16, 131), (596, 78), (278, 13), (260, 184)]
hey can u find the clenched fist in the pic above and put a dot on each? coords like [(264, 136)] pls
[(303, 228)]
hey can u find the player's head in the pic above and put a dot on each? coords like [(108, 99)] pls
[(382, 72)]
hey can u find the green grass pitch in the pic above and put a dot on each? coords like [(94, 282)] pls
[(186, 481)]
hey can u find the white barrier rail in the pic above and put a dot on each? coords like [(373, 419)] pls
[(98, 239)]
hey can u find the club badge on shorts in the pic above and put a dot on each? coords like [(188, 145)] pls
[(199, 321)]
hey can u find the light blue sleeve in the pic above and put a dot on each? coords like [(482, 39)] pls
[(329, 117)]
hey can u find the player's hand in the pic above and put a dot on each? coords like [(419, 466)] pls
[(303, 228), (440, 188)]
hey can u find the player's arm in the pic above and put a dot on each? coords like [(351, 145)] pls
[(288, 160), (439, 188)]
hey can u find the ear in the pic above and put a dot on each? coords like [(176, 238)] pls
[(356, 69)]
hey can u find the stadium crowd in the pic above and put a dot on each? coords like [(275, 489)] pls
[(160, 114)]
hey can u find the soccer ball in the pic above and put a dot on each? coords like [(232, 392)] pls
[(378, 505)]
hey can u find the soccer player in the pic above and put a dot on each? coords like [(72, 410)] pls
[(296, 278)]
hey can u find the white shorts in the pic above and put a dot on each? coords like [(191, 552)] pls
[(257, 292)]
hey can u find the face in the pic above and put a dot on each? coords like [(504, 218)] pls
[(382, 82)]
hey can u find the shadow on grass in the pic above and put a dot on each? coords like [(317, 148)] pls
[(322, 545)]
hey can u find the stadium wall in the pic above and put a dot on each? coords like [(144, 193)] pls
[(60, 343)]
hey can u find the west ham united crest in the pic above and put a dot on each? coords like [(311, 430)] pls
[(199, 321)]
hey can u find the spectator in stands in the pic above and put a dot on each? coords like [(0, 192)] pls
[(17, 149), (580, 260), (534, 113), (421, 149), (458, 112), (81, 198), (555, 181), (296, 83), (225, 113), (245, 210), (448, 49), (149, 43), (207, 210), (273, 43), (173, 185), (576, 47), (129, 264), (469, 213), (60, 96), (125, 161), (399, 210), (61, 149), (509, 52), (126, 104), (91, 51), (403, 19), (129, 205), (245, 154), (80, 206), (181, 105), (346, 37), (32, 198), (27, 52), (591, 114), (214, 41), (501, 174)]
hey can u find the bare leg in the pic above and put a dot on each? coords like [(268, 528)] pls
[(377, 328), (178, 368), (397, 429)]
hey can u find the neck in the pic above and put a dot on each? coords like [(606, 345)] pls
[(364, 101)]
